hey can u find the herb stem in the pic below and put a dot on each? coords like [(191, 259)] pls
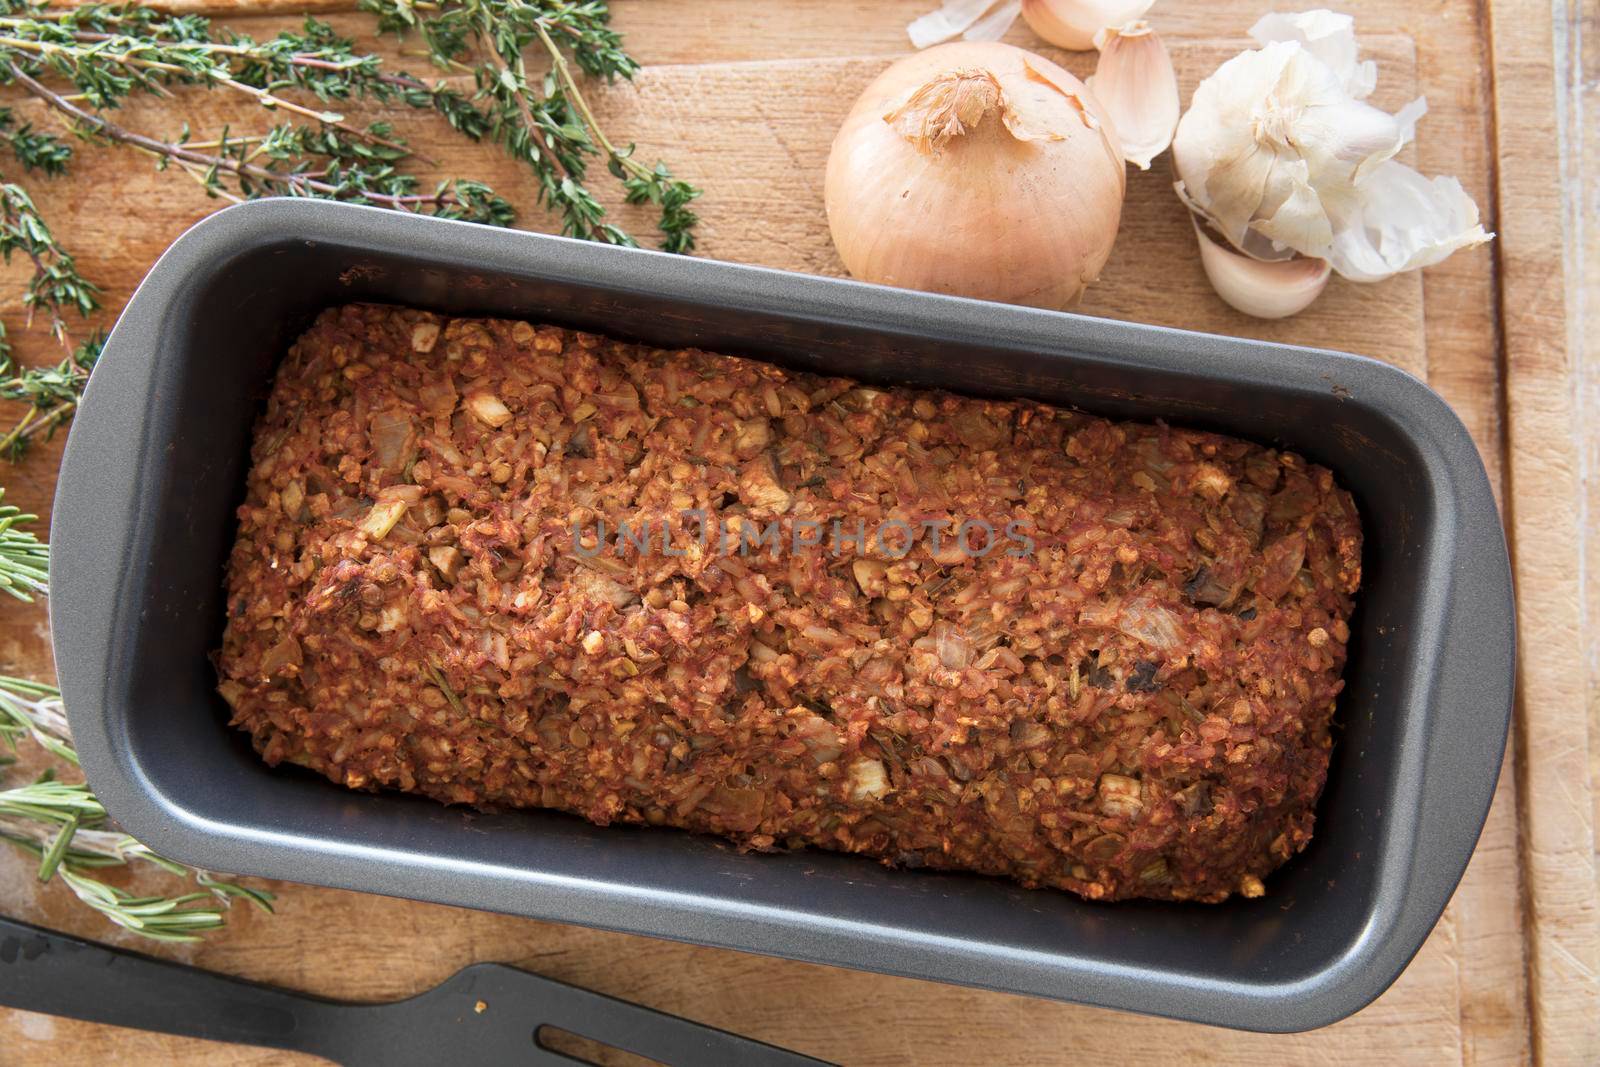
[(289, 181), (34, 423), (65, 826), (575, 95), (272, 102)]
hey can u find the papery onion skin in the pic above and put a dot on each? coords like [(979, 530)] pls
[(1020, 208), (1072, 24)]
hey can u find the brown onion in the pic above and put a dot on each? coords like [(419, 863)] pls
[(977, 169)]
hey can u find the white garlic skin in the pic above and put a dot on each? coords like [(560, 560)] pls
[(1281, 155)]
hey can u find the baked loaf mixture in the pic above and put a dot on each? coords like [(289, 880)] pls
[(440, 586)]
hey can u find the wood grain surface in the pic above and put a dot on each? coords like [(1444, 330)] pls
[(1582, 90), (1542, 364), (743, 98)]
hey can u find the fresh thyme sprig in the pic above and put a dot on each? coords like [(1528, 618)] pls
[(275, 164), (105, 54), (51, 393), (43, 152), (56, 286), (63, 823), (85, 62), (544, 120)]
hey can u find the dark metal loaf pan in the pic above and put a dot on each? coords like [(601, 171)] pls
[(156, 465)]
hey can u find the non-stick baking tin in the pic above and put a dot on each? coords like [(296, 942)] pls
[(155, 467)]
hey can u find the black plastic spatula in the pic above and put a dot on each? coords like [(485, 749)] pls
[(486, 1013)]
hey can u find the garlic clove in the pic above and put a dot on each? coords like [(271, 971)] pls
[(1072, 24), (974, 20), (1329, 36), (1134, 79), (1401, 221), (1264, 290), (1252, 244)]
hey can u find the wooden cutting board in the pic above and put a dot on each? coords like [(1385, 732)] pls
[(743, 99)]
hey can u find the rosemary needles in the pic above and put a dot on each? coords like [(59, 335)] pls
[(63, 824), (24, 559)]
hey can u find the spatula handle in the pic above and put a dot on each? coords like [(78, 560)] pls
[(485, 1013), (49, 972)]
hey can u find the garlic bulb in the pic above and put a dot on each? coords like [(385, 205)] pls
[(1280, 153), (1134, 79), (1072, 24), (1266, 290), (1328, 36), (977, 169)]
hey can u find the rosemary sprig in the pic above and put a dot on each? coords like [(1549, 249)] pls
[(34, 709), (64, 824), (179, 918), (544, 121), (24, 559)]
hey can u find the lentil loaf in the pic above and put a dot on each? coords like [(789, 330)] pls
[(1129, 696)]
